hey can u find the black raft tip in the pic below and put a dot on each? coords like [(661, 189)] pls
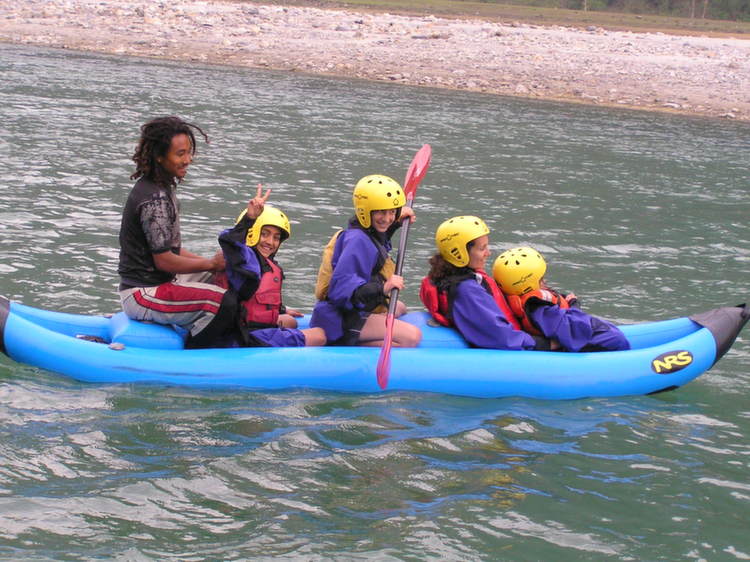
[(4, 311), (724, 324)]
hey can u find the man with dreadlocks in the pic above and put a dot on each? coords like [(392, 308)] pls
[(160, 281)]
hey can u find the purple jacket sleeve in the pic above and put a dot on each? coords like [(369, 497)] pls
[(242, 266), (353, 260), (482, 323), (576, 330)]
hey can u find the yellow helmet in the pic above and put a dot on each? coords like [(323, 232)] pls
[(453, 235), (271, 216), (519, 270), (376, 193)]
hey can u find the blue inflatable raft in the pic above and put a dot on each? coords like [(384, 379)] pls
[(100, 349)]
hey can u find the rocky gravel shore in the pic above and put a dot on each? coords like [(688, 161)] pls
[(652, 71)]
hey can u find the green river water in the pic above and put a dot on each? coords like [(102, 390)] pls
[(645, 216)]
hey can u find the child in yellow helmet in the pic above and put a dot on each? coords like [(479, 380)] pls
[(541, 311), (251, 270), (356, 274), (459, 293)]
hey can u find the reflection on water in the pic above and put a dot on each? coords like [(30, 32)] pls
[(162, 469), (644, 216)]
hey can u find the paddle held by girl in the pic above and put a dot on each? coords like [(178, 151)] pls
[(356, 273)]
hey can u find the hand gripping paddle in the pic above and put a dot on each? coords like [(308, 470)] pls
[(414, 175)]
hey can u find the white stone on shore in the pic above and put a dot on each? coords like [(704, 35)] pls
[(691, 74)]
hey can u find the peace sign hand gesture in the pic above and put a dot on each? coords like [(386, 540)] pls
[(256, 204)]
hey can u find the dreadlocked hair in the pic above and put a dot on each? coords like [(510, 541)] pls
[(156, 138)]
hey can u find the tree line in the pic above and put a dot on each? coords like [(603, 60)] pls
[(736, 10)]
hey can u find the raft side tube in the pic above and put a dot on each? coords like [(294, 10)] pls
[(649, 334), (725, 324), (66, 323), (143, 335)]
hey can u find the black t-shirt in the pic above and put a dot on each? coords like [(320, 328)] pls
[(150, 225)]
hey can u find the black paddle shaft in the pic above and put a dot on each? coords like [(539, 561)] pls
[(393, 297)]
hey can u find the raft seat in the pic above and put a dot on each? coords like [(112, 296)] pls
[(130, 332), (434, 335)]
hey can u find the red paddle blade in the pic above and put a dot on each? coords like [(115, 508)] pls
[(384, 361), (417, 170)]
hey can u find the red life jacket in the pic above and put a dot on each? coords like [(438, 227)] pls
[(518, 306), (264, 306), (438, 300), (491, 287)]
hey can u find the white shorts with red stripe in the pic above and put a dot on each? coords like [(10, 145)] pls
[(190, 301)]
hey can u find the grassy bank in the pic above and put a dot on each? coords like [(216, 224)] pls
[(538, 15)]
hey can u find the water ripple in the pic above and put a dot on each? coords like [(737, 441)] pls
[(644, 216)]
